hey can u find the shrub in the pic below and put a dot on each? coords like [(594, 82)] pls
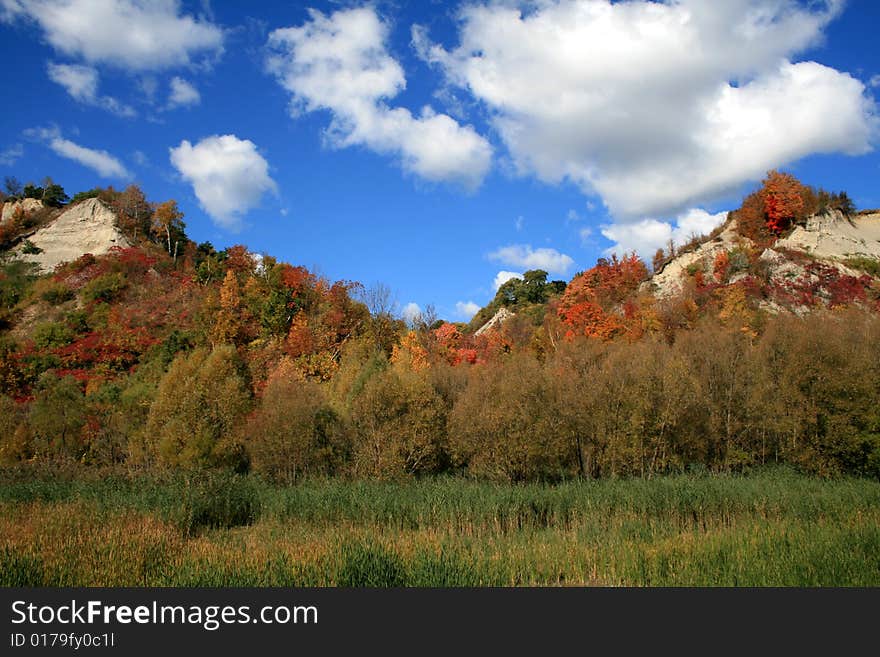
[(870, 266), (50, 335), (105, 288), (57, 293), (30, 248)]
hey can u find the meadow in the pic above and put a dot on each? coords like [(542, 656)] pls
[(773, 527)]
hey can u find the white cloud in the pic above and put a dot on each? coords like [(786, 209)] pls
[(340, 63), (9, 156), (81, 82), (525, 257), (466, 309), (656, 106), (647, 235), (644, 237), (102, 162), (228, 175), (183, 94), (129, 34), (149, 85), (696, 222), (502, 277), (874, 82), (411, 312), (518, 223)]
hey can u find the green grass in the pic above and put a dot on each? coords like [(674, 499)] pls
[(870, 266), (773, 528)]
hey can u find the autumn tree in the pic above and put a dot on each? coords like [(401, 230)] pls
[(399, 423), (57, 417), (503, 426), (168, 223), (592, 302), (228, 321), (658, 260), (783, 200), (766, 212), (197, 406), (294, 433), (134, 212)]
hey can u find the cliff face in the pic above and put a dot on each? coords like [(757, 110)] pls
[(829, 246), (668, 281), (834, 236), (495, 322), (26, 205), (87, 227)]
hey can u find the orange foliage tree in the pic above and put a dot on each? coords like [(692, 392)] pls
[(228, 324), (590, 304), (767, 212), (783, 200)]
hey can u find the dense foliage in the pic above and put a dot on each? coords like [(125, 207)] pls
[(171, 355)]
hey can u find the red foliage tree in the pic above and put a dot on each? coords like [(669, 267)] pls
[(783, 200), (591, 303)]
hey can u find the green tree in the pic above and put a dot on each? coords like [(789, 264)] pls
[(399, 426), (534, 286), (294, 433), (57, 416), (199, 402), (53, 194)]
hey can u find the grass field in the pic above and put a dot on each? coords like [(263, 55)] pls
[(772, 528)]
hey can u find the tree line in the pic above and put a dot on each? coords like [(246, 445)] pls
[(805, 392), (172, 354)]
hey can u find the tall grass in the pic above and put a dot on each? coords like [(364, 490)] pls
[(774, 528)]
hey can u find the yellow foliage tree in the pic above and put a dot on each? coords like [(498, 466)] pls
[(228, 321)]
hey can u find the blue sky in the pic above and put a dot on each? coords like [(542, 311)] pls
[(433, 146)]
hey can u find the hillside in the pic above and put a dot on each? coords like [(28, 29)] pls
[(827, 259), (124, 342)]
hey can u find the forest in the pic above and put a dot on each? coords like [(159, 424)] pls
[(170, 354)]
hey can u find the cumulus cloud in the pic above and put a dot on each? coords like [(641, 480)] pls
[(696, 222), (81, 83), (502, 277), (183, 94), (655, 106), (129, 34), (647, 235), (411, 312), (466, 309), (228, 175), (340, 63), (525, 257), (102, 162)]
